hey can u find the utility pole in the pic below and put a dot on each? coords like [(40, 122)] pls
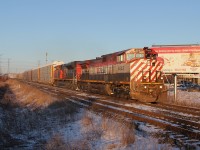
[(38, 72), (0, 64), (175, 87), (38, 63), (8, 71), (46, 57)]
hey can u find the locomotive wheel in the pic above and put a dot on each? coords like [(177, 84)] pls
[(108, 90)]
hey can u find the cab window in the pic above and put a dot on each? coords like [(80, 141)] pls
[(139, 55), (130, 56), (120, 58)]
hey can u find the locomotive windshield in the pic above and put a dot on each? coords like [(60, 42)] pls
[(130, 56), (139, 55)]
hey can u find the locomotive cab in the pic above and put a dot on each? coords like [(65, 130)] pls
[(146, 82)]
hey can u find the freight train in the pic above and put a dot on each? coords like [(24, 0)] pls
[(133, 73)]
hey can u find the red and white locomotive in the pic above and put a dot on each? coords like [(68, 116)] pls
[(133, 73)]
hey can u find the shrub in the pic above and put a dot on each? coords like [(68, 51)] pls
[(128, 134), (56, 143)]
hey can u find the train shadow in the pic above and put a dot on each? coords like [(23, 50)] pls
[(6, 96), (6, 117), (3, 89)]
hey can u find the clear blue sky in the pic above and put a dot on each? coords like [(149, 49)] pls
[(83, 29)]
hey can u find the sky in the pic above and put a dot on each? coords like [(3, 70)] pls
[(69, 30)]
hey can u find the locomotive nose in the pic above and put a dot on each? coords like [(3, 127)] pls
[(153, 92)]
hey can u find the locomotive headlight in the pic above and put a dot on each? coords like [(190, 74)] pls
[(160, 86), (151, 91), (145, 87)]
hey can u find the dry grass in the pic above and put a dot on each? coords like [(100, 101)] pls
[(82, 144), (57, 142), (91, 129), (122, 130), (27, 96), (150, 144), (111, 146), (87, 121), (183, 99), (128, 134)]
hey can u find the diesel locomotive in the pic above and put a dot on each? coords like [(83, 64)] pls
[(133, 73)]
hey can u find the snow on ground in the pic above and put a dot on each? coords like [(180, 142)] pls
[(58, 125), (140, 107), (53, 127), (102, 133), (184, 97), (188, 97)]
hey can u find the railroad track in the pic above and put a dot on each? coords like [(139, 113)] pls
[(177, 108), (184, 128), (181, 131), (188, 127)]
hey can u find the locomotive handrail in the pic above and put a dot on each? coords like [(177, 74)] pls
[(151, 83)]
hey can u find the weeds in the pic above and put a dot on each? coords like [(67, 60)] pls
[(183, 99), (128, 135), (25, 95), (56, 143), (108, 128), (91, 128), (46, 117), (36, 117)]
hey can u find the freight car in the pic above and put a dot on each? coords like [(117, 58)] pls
[(43, 74), (133, 73)]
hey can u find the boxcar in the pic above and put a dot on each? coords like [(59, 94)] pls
[(43, 74)]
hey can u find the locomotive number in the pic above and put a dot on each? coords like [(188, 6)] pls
[(120, 67), (100, 70)]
